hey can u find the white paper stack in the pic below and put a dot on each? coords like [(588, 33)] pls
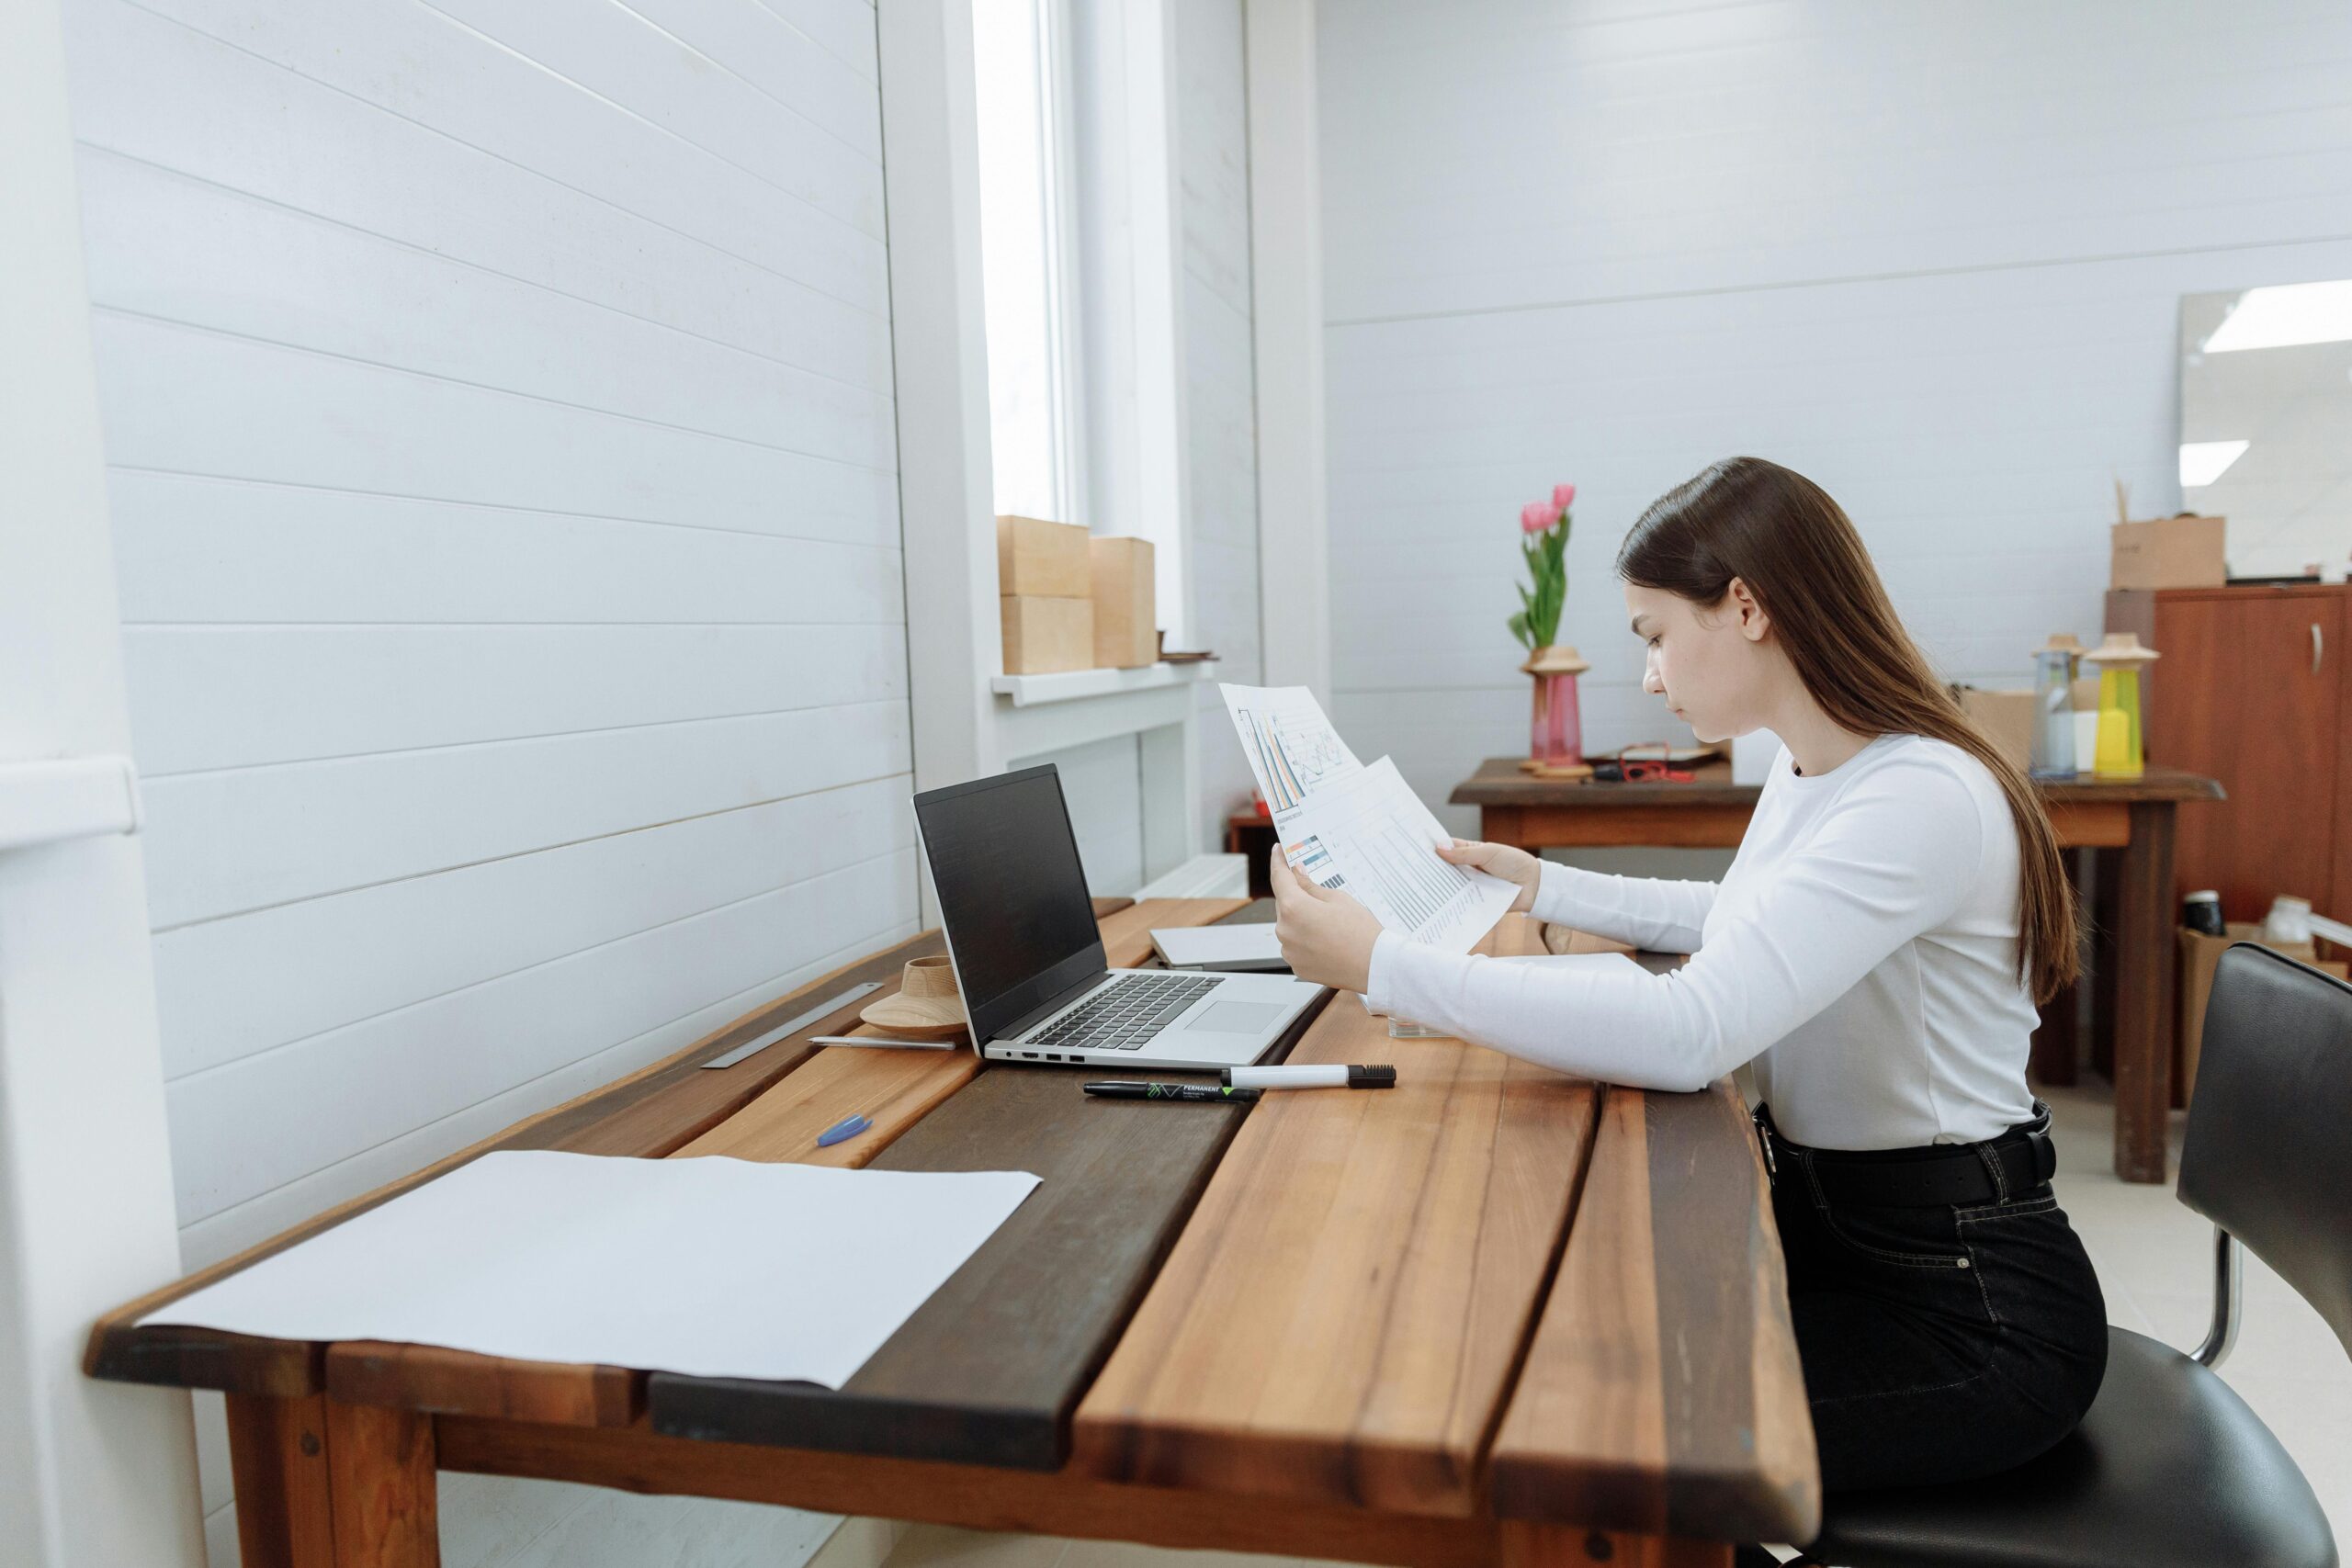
[(1251, 946), (1357, 828)]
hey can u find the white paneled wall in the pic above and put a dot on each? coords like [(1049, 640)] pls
[(1213, 170), (1930, 256), (1103, 789), (498, 403)]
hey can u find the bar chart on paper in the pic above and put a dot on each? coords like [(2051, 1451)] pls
[(1292, 747)]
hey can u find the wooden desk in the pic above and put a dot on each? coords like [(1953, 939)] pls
[(1492, 1315), (2131, 822)]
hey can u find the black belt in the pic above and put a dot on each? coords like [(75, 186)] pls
[(1918, 1179)]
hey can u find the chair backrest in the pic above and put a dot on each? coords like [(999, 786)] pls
[(2269, 1156)]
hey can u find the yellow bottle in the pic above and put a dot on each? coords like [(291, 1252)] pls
[(2122, 745), (2119, 749)]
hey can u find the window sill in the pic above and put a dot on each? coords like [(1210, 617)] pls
[(1076, 686)]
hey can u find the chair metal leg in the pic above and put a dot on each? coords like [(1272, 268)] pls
[(2229, 1277)]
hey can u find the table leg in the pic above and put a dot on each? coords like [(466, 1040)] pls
[(2055, 1045), (384, 1487), (278, 1454), (1565, 1546), (2144, 995), (2057, 1041), (324, 1484), (2107, 879)]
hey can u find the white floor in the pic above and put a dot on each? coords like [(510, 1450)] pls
[(2154, 1260)]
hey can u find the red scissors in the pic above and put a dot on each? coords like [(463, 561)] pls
[(1651, 769)]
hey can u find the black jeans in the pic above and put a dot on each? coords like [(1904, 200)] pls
[(1939, 1343)]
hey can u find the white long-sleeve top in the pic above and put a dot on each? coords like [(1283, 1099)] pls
[(1862, 950)]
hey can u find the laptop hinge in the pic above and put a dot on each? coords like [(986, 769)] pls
[(1052, 1005)]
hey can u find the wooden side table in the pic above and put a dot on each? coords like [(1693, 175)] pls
[(1247, 834)]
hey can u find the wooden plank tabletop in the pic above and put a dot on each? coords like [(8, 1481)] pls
[(1661, 1391), (988, 1371), (649, 1113), (1340, 1320), (1316, 1308), (1501, 782)]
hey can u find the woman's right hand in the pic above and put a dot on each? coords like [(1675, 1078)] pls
[(1498, 859)]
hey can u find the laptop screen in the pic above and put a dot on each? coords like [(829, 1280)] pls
[(1011, 892)]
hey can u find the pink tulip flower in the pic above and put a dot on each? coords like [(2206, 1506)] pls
[(1564, 496), (1537, 516)]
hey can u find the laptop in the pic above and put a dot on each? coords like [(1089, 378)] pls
[(1028, 955)]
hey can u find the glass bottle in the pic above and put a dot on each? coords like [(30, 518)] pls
[(2054, 729)]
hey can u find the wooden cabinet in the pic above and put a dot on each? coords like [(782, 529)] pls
[(2251, 690)]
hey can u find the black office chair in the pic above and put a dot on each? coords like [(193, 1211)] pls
[(2170, 1467)]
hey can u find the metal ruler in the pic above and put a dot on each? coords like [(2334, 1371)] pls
[(784, 1030)]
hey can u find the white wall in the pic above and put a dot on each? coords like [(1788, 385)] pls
[(1212, 172), (498, 405), (90, 1471), (1102, 785), (1931, 256)]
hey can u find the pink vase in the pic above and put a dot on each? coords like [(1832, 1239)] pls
[(1555, 730)]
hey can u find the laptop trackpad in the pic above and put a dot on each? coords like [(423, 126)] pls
[(1235, 1018)]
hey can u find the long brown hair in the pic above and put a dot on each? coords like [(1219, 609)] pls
[(1798, 552)]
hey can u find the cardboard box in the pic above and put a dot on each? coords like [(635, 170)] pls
[(2005, 718), (1043, 636), (1126, 625), (2199, 955), (2168, 552), (1039, 559)]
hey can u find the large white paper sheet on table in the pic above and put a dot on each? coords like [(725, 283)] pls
[(1370, 836), (711, 1266)]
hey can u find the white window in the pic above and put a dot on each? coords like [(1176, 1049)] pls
[(1020, 57)]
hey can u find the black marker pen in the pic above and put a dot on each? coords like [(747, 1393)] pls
[(1171, 1092)]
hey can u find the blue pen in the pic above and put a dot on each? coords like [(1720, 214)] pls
[(842, 1130)]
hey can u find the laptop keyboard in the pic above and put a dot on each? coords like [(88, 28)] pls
[(1125, 1014)]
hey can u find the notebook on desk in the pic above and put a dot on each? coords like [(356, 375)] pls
[(1238, 948), (1028, 955)]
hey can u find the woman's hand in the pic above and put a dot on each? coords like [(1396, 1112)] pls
[(1499, 860), (1327, 936)]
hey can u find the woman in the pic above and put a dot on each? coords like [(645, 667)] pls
[(1895, 913)]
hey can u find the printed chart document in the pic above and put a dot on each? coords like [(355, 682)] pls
[(1347, 826), (1292, 749), (712, 1267), (1371, 836)]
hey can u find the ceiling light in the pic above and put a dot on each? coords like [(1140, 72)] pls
[(2202, 462), (2285, 316)]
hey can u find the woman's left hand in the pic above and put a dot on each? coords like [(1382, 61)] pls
[(1327, 936)]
